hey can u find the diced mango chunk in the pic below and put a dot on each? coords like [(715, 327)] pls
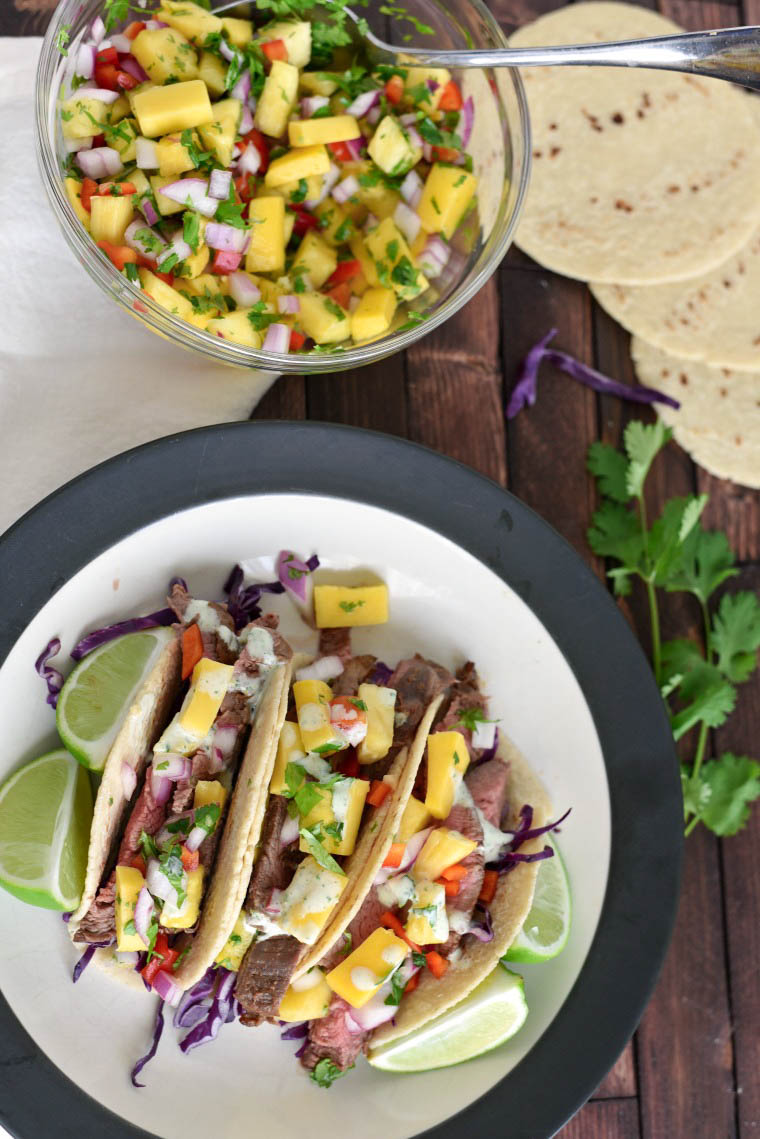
[(190, 19), (218, 136), (340, 605), (443, 848), (295, 34), (213, 71), (208, 791), (427, 923), (307, 998), (312, 699), (415, 818), (74, 194), (315, 260), (343, 804), (392, 149), (129, 883), (266, 253), (209, 685), (233, 951), (331, 128), (236, 326), (173, 156), (289, 748), (393, 260), (309, 900), (374, 313), (447, 762), (109, 217), (239, 32), (381, 707), (324, 320), (277, 101), (190, 908), (358, 978), (297, 164), (165, 295), (447, 193), (82, 117), (165, 54), (161, 110)]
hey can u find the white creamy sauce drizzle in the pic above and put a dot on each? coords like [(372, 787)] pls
[(260, 644), (341, 794), (262, 924), (433, 909), (312, 716), (312, 763), (396, 891), (208, 618), (393, 955), (494, 840), (459, 922), (363, 979), (308, 981)]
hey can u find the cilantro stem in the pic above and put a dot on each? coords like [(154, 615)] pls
[(654, 619), (691, 826)]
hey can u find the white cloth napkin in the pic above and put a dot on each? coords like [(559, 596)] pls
[(80, 380)]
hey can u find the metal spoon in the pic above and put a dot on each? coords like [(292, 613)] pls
[(728, 53)]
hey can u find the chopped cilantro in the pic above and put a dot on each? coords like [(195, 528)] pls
[(325, 1073), (207, 817), (470, 717), (404, 273), (435, 205), (231, 212), (191, 230), (148, 846), (62, 39), (318, 852), (349, 606), (335, 310), (392, 250), (299, 194), (398, 984), (357, 703)]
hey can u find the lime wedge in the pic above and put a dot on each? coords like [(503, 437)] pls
[(97, 694), (545, 929), (45, 816), (490, 1015)]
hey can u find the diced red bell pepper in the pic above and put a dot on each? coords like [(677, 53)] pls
[(89, 187), (190, 858), (107, 55), (257, 139), (341, 151), (98, 140), (297, 340), (192, 649), (138, 862), (106, 75), (412, 984), (390, 921), (446, 153), (454, 873), (451, 97), (245, 187), (304, 221), (451, 888), (488, 889), (133, 30), (275, 49), (436, 964), (146, 263), (349, 764), (225, 262), (119, 255), (341, 294), (346, 271), (394, 89), (395, 854), (378, 792), (116, 189), (125, 81), (162, 961)]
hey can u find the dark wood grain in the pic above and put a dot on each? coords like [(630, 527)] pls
[(620, 1081), (372, 397), (605, 1119), (286, 399)]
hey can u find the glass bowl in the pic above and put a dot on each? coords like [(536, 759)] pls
[(500, 145)]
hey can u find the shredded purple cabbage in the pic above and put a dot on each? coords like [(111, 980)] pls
[(526, 389), (243, 601), (157, 1030), (219, 1005), (193, 999), (296, 1031), (52, 677), (86, 958), (300, 1051), (177, 581), (380, 674), (481, 925), (510, 857), (66, 917), (110, 632)]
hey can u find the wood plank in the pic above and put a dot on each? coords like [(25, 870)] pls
[(751, 11), (735, 509), (620, 1081), (286, 399), (741, 891), (694, 15), (604, 1119), (454, 387), (368, 397)]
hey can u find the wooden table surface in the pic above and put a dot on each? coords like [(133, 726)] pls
[(692, 1070)]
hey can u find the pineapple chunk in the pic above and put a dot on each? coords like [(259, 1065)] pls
[(173, 156), (415, 818), (231, 955), (277, 101), (335, 226), (361, 253), (338, 605), (312, 132), (239, 32), (443, 848), (213, 71), (266, 253), (109, 217), (312, 699), (309, 900), (341, 803), (196, 264), (237, 327), (415, 76), (166, 206), (304, 190), (200, 320), (393, 261), (289, 748), (209, 791), (270, 290), (446, 195), (122, 137), (374, 314), (296, 35), (447, 762), (219, 135), (381, 705), (296, 164), (314, 259), (82, 117), (210, 286), (165, 295), (190, 19), (161, 110), (358, 978), (306, 998), (323, 319), (391, 148), (318, 83), (427, 923), (74, 194), (129, 883), (165, 54), (187, 914)]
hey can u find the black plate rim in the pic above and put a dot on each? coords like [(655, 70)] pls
[(115, 498)]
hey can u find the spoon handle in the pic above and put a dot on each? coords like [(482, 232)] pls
[(728, 53)]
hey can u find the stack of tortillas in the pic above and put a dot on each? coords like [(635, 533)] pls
[(646, 184)]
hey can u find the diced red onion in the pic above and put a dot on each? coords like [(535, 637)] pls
[(346, 189), (128, 779), (427, 152), (225, 262), (143, 914), (128, 957), (413, 847), (290, 831), (195, 838), (353, 303), (295, 575), (246, 120), (102, 94), (407, 221), (408, 120), (161, 788), (85, 62), (99, 162), (363, 103), (225, 738), (158, 884), (328, 181), (274, 905), (432, 85), (167, 989), (179, 247), (97, 31), (323, 668), (74, 145), (132, 67), (289, 304), (219, 184), (415, 138), (373, 116), (243, 291), (468, 118), (229, 238), (249, 161), (146, 154), (148, 211), (242, 88), (192, 191), (483, 735), (253, 102), (154, 25), (228, 52), (434, 256), (371, 223), (277, 338), (411, 189), (172, 766), (354, 146), (104, 45), (312, 103), (122, 43)]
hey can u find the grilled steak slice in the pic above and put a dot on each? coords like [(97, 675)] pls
[(270, 870), (365, 921), (488, 784), (264, 976), (213, 645), (464, 820), (417, 682), (335, 643), (331, 1038), (465, 694), (355, 672), (99, 923)]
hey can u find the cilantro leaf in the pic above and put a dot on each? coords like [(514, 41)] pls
[(207, 817), (706, 562), (471, 717), (325, 1072), (173, 870), (615, 533), (727, 785), (609, 467), (148, 846), (398, 984), (62, 39), (736, 635), (643, 442), (708, 697), (678, 518), (318, 852)]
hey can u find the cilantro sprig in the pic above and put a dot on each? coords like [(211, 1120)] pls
[(676, 554)]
